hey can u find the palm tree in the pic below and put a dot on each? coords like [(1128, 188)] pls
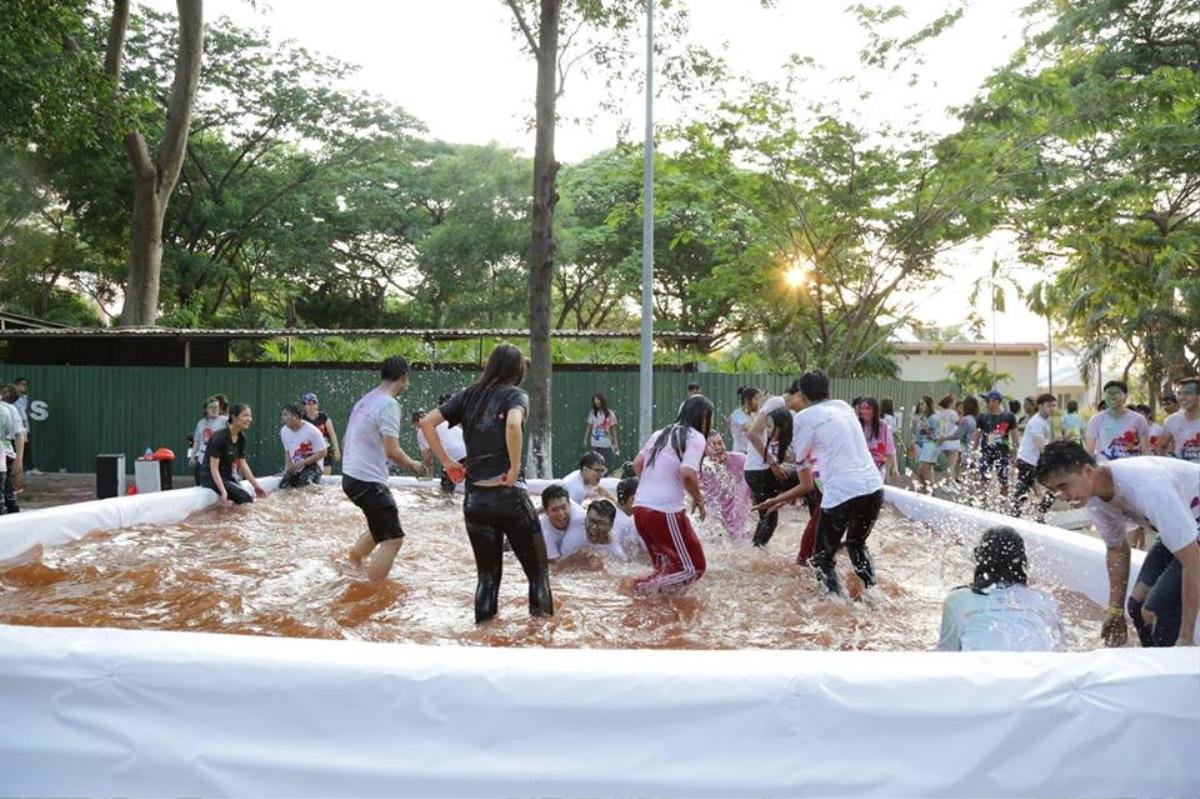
[(996, 285)]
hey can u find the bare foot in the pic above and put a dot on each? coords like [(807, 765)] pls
[(355, 559)]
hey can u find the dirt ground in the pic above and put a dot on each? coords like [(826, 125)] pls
[(47, 490)]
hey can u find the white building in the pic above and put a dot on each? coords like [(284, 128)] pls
[(927, 361), (1068, 377)]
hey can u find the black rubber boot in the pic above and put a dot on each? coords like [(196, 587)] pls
[(541, 601), (863, 567)]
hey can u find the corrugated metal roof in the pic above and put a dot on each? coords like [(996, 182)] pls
[(295, 332)]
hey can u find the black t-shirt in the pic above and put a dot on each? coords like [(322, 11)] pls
[(219, 446), (483, 414), (994, 431), (321, 422)]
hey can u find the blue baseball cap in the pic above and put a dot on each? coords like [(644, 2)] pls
[(309, 397), (993, 395)]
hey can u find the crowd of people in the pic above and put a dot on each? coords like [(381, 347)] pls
[(801, 446)]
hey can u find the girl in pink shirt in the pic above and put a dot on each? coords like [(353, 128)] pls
[(722, 483)]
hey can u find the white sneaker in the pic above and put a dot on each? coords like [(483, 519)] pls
[(35, 472)]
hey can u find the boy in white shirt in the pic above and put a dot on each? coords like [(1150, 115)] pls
[(584, 483), (1181, 431), (304, 450), (1154, 493), (1037, 435)]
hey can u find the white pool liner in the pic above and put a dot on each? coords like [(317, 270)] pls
[(146, 713)]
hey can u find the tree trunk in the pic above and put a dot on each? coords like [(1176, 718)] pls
[(545, 169), (155, 176)]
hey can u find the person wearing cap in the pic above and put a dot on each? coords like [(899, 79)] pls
[(996, 438), (320, 420), (303, 449)]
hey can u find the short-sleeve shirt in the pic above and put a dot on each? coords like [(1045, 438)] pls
[(321, 422), (376, 414), (302, 443), (228, 452), (204, 431), (560, 543), (994, 432), (1162, 494), (483, 415), (1072, 427), (882, 446), (1037, 435), (1009, 618), (1185, 436), (602, 425), (451, 438), (966, 430), (830, 433), (1118, 436), (660, 487), (754, 461), (575, 487)]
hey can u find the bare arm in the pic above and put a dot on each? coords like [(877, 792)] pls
[(514, 434), (1189, 556), (18, 475), (391, 447), (754, 435), (1116, 559), (333, 440), (639, 463), (244, 468), (612, 431), (428, 424), (805, 485), (214, 469), (691, 484)]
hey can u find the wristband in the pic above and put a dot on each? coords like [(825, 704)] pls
[(1115, 611)]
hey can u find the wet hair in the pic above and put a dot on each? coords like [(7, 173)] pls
[(605, 508), (1072, 406), (222, 401), (781, 420), (814, 385), (393, 368), (696, 413), (627, 470), (1014, 406), (747, 393), (553, 493), (1000, 559), (875, 417), (626, 489), (235, 410), (693, 386), (970, 405), (1044, 398), (505, 367), (599, 395), (1061, 456), (293, 409), (592, 460), (1118, 384), (946, 401), (444, 397), (887, 406)]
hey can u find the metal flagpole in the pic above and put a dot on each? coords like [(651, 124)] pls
[(646, 392)]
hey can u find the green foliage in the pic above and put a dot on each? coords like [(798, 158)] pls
[(975, 377)]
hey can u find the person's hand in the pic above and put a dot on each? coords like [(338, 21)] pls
[(1137, 539), (259, 491), (337, 455), (767, 505), (509, 478), (616, 450), (225, 501), (779, 472), (417, 468), (1115, 631), (700, 510), (290, 469)]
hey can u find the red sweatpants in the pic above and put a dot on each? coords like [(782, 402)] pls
[(808, 540), (674, 549)]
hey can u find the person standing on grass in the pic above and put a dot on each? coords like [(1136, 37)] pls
[(372, 441), (227, 451), (600, 432), (491, 412)]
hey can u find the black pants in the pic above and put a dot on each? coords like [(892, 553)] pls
[(853, 519), (1162, 573), (765, 485), (491, 515), (309, 475), (10, 492), (1025, 472), (237, 494)]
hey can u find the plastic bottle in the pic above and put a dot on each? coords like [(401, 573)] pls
[(148, 454)]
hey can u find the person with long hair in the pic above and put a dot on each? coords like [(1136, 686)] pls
[(925, 441), (749, 398), (600, 434), (226, 451), (492, 413), (372, 441), (998, 611), (209, 423), (880, 441), (949, 443), (668, 469), (968, 422), (722, 481), (768, 468)]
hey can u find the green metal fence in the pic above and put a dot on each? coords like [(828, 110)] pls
[(87, 410)]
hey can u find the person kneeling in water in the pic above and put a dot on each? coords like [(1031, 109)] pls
[(668, 469), (998, 611), (492, 414), (304, 450)]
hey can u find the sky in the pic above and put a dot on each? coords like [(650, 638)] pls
[(458, 66)]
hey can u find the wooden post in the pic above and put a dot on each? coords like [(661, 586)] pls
[(187, 353)]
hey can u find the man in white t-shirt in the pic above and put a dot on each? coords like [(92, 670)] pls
[(1162, 494), (829, 432), (1181, 430), (1035, 438), (567, 528), (452, 441), (584, 483), (1117, 432), (304, 449), (372, 440)]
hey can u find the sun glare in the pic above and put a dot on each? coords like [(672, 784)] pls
[(797, 274)]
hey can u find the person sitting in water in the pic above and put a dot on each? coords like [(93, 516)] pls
[(567, 528), (304, 450), (668, 470), (722, 482), (998, 610), (226, 450), (604, 536), (584, 483), (1154, 493)]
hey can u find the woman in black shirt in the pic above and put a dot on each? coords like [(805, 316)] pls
[(492, 415), (227, 450)]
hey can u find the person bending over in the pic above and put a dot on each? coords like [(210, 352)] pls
[(998, 610), (491, 412), (227, 450), (668, 470), (304, 449), (372, 441), (1162, 494)]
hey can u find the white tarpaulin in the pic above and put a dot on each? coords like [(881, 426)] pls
[(137, 713)]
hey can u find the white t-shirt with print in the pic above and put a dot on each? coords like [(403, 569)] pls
[(601, 429), (660, 486), (1008, 618), (1185, 436), (1035, 438), (830, 433), (1161, 494), (303, 442), (1118, 436), (376, 414), (451, 438), (754, 461), (561, 543)]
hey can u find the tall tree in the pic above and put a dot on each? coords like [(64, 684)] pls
[(155, 175)]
